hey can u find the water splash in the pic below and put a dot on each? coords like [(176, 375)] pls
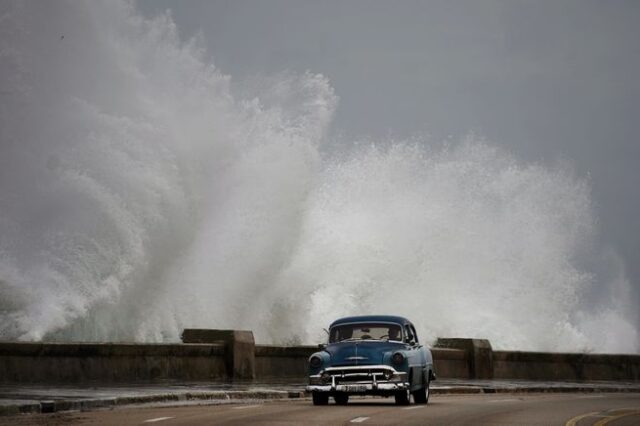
[(140, 195)]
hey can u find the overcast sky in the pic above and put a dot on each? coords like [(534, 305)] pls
[(548, 80)]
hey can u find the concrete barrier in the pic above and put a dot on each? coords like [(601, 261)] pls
[(233, 355), (451, 363), (109, 362), (565, 366), (479, 355), (239, 349), (282, 362)]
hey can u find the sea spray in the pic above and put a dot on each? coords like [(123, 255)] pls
[(140, 194)]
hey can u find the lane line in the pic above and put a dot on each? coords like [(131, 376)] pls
[(414, 407), (157, 419), (359, 419), (242, 407), (574, 421)]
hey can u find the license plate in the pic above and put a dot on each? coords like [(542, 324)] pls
[(356, 388)]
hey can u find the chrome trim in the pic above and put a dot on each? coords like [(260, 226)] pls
[(366, 386), (371, 376), (360, 368)]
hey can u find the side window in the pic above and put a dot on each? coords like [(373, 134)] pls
[(415, 335), (409, 334)]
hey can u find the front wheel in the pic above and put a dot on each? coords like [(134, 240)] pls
[(402, 397), (421, 396), (320, 398)]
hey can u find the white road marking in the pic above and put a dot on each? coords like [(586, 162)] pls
[(242, 407), (504, 400), (359, 419), (413, 407), (157, 419)]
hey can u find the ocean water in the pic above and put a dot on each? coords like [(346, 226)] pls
[(141, 194)]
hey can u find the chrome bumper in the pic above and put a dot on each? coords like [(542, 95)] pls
[(359, 387), (359, 379)]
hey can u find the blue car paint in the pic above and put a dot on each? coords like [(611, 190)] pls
[(418, 361), (369, 352)]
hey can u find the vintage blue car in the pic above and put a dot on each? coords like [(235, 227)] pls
[(371, 355)]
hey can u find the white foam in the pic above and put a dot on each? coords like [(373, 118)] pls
[(140, 195)]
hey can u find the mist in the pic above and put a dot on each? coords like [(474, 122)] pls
[(143, 191)]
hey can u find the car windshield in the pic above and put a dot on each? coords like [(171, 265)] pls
[(365, 331)]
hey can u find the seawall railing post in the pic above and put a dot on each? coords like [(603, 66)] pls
[(479, 355), (240, 348)]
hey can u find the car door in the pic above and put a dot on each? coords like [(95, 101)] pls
[(415, 357)]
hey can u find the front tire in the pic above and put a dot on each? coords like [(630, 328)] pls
[(402, 397), (421, 396), (320, 398), (341, 398)]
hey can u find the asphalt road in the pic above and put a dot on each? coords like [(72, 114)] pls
[(499, 409)]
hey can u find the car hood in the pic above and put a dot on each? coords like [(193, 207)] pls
[(361, 352)]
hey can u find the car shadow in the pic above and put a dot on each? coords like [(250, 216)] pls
[(380, 404)]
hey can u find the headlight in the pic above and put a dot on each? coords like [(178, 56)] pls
[(397, 358), (315, 362), (326, 378)]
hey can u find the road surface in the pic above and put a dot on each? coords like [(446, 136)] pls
[(614, 409)]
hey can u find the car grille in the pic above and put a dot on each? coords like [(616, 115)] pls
[(362, 374), (358, 379)]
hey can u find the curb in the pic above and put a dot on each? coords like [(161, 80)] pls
[(10, 410), (53, 406)]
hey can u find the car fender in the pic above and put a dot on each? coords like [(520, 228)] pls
[(326, 360)]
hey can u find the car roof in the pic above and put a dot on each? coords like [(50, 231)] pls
[(371, 318)]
